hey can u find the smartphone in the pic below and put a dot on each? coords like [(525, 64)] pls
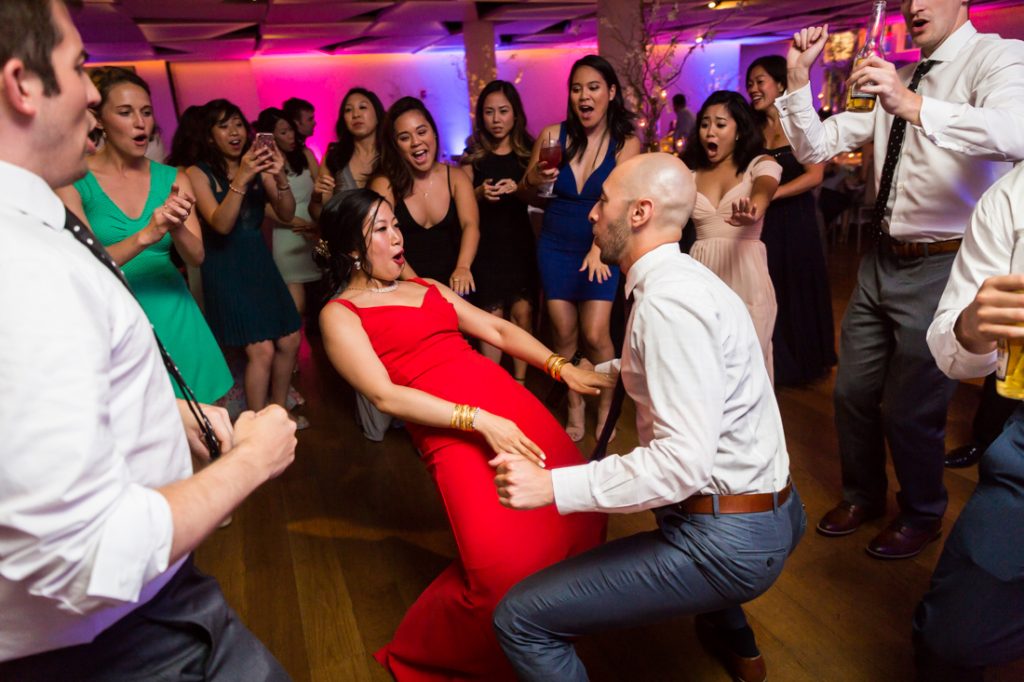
[(263, 140)]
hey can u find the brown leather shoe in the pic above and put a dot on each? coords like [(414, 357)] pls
[(741, 668), (900, 540), (845, 518)]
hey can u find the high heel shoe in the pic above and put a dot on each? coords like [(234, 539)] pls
[(576, 424)]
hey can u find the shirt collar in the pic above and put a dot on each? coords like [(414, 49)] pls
[(647, 263), (28, 193), (952, 45)]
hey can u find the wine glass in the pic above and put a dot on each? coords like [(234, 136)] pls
[(551, 155)]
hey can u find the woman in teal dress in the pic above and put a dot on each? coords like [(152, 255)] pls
[(245, 300), (122, 183)]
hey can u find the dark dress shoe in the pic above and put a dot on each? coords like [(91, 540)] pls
[(963, 456), (900, 540), (845, 518), (741, 668)]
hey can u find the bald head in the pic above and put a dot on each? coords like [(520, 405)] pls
[(665, 181)]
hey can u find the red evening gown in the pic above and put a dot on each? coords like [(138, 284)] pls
[(447, 632)]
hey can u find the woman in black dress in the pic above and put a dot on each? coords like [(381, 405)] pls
[(804, 338), (434, 203), (505, 269)]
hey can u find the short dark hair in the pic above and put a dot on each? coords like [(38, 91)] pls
[(679, 101), (28, 33), (774, 65), (749, 139), (293, 106)]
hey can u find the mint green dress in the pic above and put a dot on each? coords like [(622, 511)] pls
[(159, 286)]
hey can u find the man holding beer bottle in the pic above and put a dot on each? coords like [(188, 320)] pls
[(944, 129), (973, 615)]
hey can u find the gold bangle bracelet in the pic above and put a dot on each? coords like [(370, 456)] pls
[(237, 191), (464, 416)]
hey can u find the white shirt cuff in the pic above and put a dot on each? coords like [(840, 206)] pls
[(957, 362), (795, 101), (135, 545), (572, 489), (608, 366), (935, 116)]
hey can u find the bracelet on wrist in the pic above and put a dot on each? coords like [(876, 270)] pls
[(286, 188), (464, 417), (239, 192), (554, 364)]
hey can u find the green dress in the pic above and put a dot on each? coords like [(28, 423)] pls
[(159, 286)]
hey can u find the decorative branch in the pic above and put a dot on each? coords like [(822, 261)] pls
[(648, 69)]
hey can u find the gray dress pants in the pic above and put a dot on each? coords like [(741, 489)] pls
[(888, 387), (694, 563), (186, 633)]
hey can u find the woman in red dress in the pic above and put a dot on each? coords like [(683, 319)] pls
[(401, 345)]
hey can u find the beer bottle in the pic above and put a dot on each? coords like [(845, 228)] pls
[(855, 99)]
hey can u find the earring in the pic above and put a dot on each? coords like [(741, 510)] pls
[(356, 265)]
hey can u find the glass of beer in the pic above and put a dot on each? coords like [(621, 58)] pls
[(1010, 352), (551, 156)]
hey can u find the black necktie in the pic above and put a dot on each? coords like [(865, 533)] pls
[(892, 152), (73, 225), (615, 408)]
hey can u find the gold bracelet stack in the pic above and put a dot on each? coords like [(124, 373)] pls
[(554, 365), (464, 417)]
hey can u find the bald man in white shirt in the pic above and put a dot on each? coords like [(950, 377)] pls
[(944, 129), (99, 510), (712, 460)]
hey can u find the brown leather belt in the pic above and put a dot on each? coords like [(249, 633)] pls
[(917, 249), (734, 504)]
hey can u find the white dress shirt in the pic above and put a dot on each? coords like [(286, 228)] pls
[(706, 415), (994, 239), (972, 129), (88, 429)]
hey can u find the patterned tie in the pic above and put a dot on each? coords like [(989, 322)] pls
[(615, 408), (73, 225), (892, 152)]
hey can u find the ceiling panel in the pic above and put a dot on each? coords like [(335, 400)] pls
[(225, 29)]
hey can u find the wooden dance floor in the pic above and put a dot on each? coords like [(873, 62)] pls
[(322, 562)]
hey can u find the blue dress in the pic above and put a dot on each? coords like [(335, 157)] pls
[(566, 235), (246, 301)]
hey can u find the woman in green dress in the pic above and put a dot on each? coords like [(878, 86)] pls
[(138, 208)]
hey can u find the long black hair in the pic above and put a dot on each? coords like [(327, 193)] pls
[(620, 119), (749, 139), (519, 137), (266, 122), (341, 228), (340, 153), (390, 164), (775, 66), (215, 112), (188, 138)]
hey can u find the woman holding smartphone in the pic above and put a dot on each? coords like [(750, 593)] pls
[(293, 239), (247, 303)]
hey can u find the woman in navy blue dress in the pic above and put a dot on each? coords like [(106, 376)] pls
[(579, 289)]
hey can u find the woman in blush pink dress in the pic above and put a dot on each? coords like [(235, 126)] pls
[(735, 184)]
